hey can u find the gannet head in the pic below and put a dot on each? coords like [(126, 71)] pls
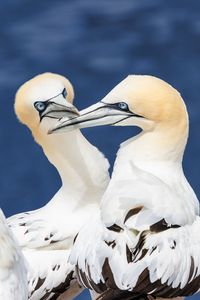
[(138, 100), (43, 100)]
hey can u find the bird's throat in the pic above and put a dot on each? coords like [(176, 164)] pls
[(76, 161), (154, 151)]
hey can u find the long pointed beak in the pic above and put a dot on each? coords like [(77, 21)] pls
[(98, 114), (56, 110)]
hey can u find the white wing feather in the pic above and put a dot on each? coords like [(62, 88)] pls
[(49, 273), (120, 250), (13, 269)]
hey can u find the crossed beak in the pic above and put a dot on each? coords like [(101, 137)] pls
[(56, 110), (98, 114)]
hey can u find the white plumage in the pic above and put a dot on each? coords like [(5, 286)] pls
[(13, 268), (49, 273), (145, 240), (46, 235)]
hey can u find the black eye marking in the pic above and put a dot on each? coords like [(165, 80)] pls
[(45, 108), (118, 105), (123, 106), (40, 105), (64, 93)]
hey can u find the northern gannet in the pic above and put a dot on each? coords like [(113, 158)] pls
[(39, 103), (13, 268), (146, 241)]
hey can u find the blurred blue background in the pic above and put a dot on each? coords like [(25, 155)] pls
[(95, 44)]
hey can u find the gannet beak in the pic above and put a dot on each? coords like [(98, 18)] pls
[(101, 113), (58, 111)]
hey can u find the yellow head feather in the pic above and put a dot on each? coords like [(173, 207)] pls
[(41, 87), (151, 98)]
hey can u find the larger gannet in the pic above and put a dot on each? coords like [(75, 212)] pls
[(13, 268), (39, 103), (146, 242)]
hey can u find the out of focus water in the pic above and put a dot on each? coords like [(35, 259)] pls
[(95, 44)]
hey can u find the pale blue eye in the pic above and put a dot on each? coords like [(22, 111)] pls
[(64, 93), (123, 105), (40, 106)]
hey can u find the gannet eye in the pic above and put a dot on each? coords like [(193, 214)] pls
[(40, 106), (64, 93), (123, 105)]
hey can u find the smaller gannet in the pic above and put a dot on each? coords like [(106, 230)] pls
[(13, 268), (146, 241), (39, 103)]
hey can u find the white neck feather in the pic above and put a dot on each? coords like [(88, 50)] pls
[(159, 151), (82, 167)]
